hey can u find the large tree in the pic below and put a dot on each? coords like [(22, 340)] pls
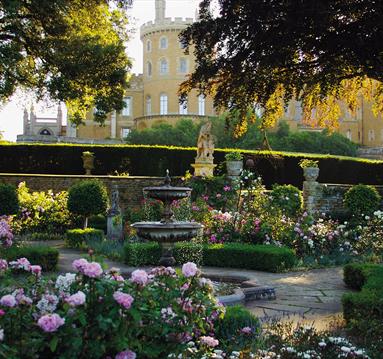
[(268, 52), (71, 50)]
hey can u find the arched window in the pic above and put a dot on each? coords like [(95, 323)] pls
[(163, 42), (148, 105), (164, 66), (45, 132), (371, 135), (201, 105), (127, 110), (349, 135), (183, 66), (183, 110), (149, 68), (163, 104), (148, 46), (182, 46)]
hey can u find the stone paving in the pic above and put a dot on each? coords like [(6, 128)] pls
[(312, 295)]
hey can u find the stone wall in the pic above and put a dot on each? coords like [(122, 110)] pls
[(130, 188)]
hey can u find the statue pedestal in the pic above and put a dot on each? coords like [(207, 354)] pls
[(115, 230), (203, 169)]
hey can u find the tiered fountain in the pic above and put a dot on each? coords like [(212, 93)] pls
[(167, 231)]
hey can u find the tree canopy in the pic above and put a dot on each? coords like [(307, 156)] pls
[(71, 50), (269, 52)]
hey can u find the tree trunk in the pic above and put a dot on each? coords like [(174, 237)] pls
[(86, 223)]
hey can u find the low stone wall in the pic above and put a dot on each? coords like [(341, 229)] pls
[(130, 188)]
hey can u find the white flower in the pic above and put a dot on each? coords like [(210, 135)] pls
[(345, 349), (322, 344), (1, 335), (63, 282)]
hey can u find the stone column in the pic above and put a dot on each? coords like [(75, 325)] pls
[(26, 123), (113, 125), (114, 220), (311, 190)]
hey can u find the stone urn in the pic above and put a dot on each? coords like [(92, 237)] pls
[(234, 168), (311, 173), (88, 162)]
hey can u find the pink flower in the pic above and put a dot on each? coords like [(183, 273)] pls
[(205, 197), (93, 270), (36, 270), (123, 299), (3, 264), (50, 322), (21, 263), (218, 195), (79, 264), (2, 312), (76, 299), (189, 269), (139, 277), (227, 188), (246, 330), (209, 341), (126, 354), (8, 301)]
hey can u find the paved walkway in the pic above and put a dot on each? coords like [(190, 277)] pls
[(312, 295)]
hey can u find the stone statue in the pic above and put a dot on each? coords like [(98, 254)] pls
[(114, 206), (114, 220), (205, 144)]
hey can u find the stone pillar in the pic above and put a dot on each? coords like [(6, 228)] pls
[(26, 128), (32, 120), (114, 220), (160, 9), (59, 120), (311, 190), (113, 125)]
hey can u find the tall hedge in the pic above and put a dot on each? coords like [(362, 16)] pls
[(274, 167)]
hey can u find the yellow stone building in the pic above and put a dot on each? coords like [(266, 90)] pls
[(152, 96)]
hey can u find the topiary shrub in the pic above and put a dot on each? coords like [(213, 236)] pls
[(362, 199), (137, 254), (288, 198), (88, 198), (9, 202), (188, 252), (75, 238)]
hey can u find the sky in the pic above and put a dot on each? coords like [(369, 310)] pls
[(11, 114)]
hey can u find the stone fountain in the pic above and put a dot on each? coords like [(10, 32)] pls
[(167, 231)]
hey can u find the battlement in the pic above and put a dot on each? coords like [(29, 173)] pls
[(166, 24)]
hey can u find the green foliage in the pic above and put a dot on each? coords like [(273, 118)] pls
[(72, 50), (234, 156), (9, 203), (288, 198), (76, 238), (188, 252), (88, 197), (362, 199), (113, 250), (98, 222), (355, 275), (44, 236), (305, 163), (229, 330), (42, 212), (138, 254), (45, 256)]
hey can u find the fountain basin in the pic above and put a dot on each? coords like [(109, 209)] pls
[(167, 232), (167, 193)]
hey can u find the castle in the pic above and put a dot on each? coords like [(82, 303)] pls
[(152, 97)]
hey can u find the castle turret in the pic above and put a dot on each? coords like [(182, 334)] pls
[(160, 10)]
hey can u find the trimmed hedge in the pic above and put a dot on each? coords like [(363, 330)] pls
[(236, 255), (9, 202), (75, 238), (274, 167), (44, 256)]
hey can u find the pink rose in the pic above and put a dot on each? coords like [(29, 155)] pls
[(1, 312), (209, 341), (76, 299), (139, 277), (79, 264), (3, 264), (246, 330), (189, 269), (8, 301), (123, 299), (21, 263), (93, 270), (126, 354), (50, 322), (36, 270)]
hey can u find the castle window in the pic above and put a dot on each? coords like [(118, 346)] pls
[(163, 104), (148, 46), (148, 105), (127, 110), (149, 68), (183, 66), (349, 135), (182, 46), (125, 132), (183, 108), (163, 42), (164, 66), (201, 105), (371, 135), (45, 132)]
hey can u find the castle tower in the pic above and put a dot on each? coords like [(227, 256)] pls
[(26, 125), (160, 10)]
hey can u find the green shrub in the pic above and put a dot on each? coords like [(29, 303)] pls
[(188, 252), (76, 238), (362, 199), (88, 198), (43, 236), (138, 254), (355, 274), (44, 256), (98, 222), (229, 328), (258, 257), (288, 198), (9, 203)]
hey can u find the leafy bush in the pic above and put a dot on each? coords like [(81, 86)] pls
[(259, 257), (98, 222), (355, 275), (288, 198), (140, 254), (188, 252), (76, 238), (45, 256), (9, 203), (87, 198), (362, 199), (42, 212), (43, 236)]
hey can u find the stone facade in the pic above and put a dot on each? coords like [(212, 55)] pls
[(129, 188)]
